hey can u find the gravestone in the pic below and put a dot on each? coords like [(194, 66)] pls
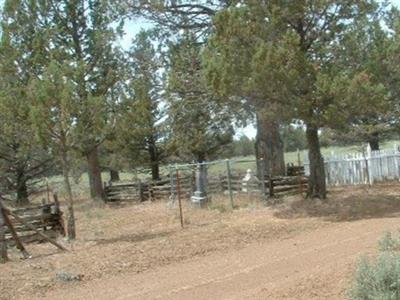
[(199, 197), (249, 182)]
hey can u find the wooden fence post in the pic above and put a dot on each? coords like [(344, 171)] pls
[(14, 234), (367, 168), (221, 182), (140, 191), (228, 170), (271, 186), (150, 191), (57, 211), (3, 244), (48, 190), (299, 171), (171, 182), (263, 187), (178, 189)]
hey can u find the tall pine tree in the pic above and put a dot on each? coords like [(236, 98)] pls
[(285, 51), (23, 55), (84, 37), (140, 127)]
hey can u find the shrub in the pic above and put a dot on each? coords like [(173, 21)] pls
[(379, 279), (390, 243)]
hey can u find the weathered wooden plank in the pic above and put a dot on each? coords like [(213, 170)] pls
[(13, 232), (33, 209), (288, 188), (32, 238), (3, 245), (50, 240)]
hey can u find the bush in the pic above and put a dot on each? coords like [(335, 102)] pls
[(389, 243), (379, 279)]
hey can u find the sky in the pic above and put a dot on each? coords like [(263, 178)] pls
[(133, 27)]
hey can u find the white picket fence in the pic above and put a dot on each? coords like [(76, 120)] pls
[(360, 168)]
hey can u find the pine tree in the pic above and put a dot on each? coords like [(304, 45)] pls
[(53, 114), (84, 37), (140, 126), (365, 49), (175, 17), (23, 56), (201, 125), (284, 52)]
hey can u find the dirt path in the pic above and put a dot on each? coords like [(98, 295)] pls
[(314, 265)]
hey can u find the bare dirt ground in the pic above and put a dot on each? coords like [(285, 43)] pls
[(294, 250)]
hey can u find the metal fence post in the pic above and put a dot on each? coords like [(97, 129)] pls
[(228, 169), (178, 189)]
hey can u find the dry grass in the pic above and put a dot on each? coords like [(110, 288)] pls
[(135, 238), (346, 204)]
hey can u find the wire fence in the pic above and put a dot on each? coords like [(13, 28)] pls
[(202, 183)]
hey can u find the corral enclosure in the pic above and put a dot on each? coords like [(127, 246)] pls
[(231, 183), (46, 218)]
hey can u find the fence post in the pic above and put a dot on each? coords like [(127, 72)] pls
[(367, 168), (228, 170), (396, 162), (140, 191), (178, 189), (14, 234), (370, 167), (3, 244), (171, 182), (271, 186), (300, 175), (221, 183), (48, 190), (263, 188), (150, 191), (58, 212)]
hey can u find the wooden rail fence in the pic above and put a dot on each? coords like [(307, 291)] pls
[(159, 190), (46, 218)]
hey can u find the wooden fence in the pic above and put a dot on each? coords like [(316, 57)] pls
[(361, 168), (159, 190), (46, 218), (143, 191)]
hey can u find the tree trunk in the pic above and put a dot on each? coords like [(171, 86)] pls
[(114, 175), (3, 245), (374, 141), (22, 190), (67, 185), (316, 182), (269, 146), (201, 157), (155, 161), (94, 172)]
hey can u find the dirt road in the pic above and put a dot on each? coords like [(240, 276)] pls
[(313, 265)]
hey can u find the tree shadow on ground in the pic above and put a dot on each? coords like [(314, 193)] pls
[(341, 209), (133, 238)]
